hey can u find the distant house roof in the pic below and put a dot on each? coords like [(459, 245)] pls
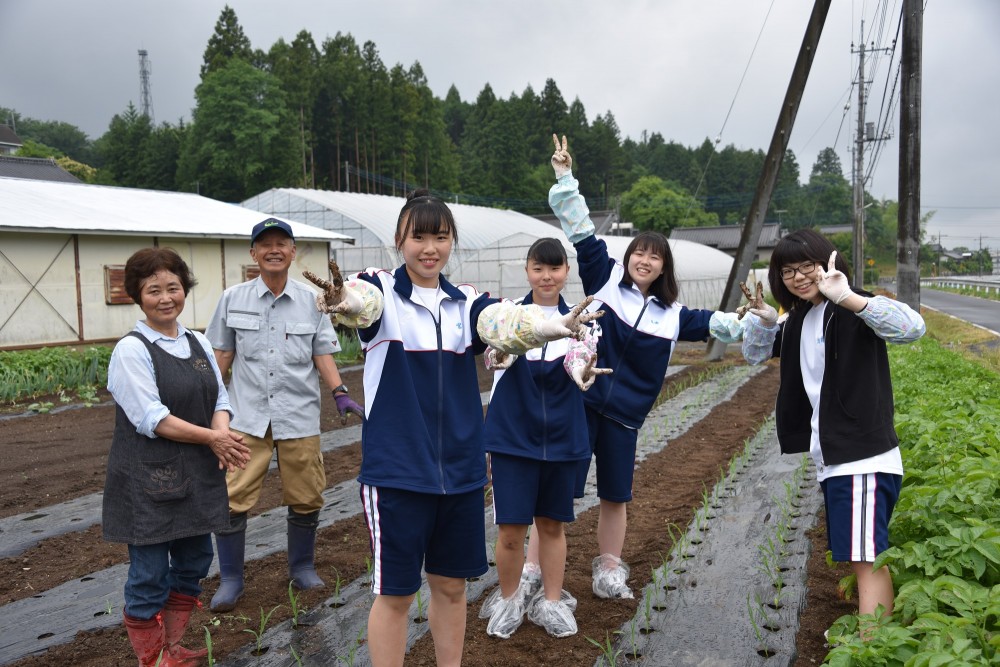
[(726, 237), (9, 138), (34, 168)]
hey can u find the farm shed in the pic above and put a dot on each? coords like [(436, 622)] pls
[(492, 242), (63, 247)]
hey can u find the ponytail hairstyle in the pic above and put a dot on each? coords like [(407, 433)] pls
[(423, 213), (548, 251), (802, 245), (664, 287)]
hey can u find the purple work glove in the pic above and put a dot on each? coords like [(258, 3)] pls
[(346, 405)]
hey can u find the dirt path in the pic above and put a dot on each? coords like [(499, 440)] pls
[(665, 493)]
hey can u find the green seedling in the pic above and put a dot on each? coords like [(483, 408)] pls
[(352, 652), (208, 645), (755, 613), (609, 655), (420, 605), (298, 660), (258, 634), (337, 583), (293, 601)]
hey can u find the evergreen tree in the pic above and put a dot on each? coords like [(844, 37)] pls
[(242, 140), (227, 42)]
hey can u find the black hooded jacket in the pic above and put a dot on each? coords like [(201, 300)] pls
[(855, 406)]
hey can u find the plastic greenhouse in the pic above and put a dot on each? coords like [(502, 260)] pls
[(492, 243)]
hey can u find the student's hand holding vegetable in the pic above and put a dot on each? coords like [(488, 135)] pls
[(335, 298), (497, 360)]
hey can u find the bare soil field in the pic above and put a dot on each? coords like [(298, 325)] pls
[(51, 458)]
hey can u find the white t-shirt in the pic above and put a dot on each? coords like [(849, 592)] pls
[(429, 297), (812, 354)]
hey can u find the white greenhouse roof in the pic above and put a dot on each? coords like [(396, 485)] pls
[(478, 226), (692, 261), (45, 206)]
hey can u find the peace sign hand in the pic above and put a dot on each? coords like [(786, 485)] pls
[(562, 162), (832, 282)]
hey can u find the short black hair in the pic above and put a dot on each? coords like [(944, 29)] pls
[(664, 287), (423, 213), (147, 262), (548, 251), (802, 245)]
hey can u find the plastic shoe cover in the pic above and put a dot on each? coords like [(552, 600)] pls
[(610, 575), (531, 579), (564, 596), (555, 616), (490, 603), (508, 613)]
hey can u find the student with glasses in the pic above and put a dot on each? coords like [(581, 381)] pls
[(835, 399)]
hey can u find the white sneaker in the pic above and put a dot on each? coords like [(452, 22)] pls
[(610, 575)]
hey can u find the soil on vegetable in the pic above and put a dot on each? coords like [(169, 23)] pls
[(51, 458)]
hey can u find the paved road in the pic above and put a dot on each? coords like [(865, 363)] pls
[(983, 312)]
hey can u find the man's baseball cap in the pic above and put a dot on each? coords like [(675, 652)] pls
[(270, 223)]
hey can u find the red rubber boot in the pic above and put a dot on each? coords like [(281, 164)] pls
[(146, 637), (176, 614)]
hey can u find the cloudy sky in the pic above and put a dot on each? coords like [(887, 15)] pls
[(669, 66)]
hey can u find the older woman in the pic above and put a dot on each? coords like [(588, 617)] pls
[(166, 486)]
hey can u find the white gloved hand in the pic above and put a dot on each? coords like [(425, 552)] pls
[(767, 314), (562, 162), (566, 325), (497, 360), (346, 302), (832, 282), (585, 375)]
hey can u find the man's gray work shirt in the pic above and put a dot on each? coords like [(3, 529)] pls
[(275, 338)]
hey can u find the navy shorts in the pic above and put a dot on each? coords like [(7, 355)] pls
[(443, 534), (524, 488), (858, 509), (613, 445)]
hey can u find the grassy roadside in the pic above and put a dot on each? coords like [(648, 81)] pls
[(973, 343)]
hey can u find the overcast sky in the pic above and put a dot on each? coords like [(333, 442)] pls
[(668, 66)]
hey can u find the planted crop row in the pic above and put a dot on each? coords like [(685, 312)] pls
[(945, 558), (28, 373)]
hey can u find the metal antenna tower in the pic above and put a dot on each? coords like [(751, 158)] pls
[(145, 95)]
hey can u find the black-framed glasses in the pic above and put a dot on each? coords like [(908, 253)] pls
[(805, 268)]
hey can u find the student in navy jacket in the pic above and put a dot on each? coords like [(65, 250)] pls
[(643, 322), (835, 398), (536, 435), (423, 466)]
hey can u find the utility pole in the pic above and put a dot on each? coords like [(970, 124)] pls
[(865, 133), (145, 94), (772, 164), (858, 249), (908, 220)]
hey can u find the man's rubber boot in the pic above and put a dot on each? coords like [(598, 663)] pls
[(301, 550), (230, 547), (146, 637), (175, 615)]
